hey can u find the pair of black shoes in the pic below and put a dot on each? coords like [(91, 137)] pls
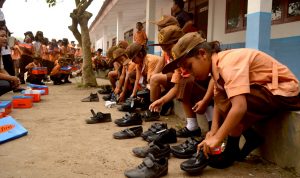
[(129, 119), (185, 132), (151, 167), (129, 133), (164, 136), (92, 98), (110, 97), (105, 89), (154, 128), (155, 148), (99, 117), (159, 132), (133, 103), (149, 116), (186, 149)]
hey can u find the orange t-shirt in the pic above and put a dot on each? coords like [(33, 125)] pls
[(240, 68), (140, 37), (45, 54), (149, 65), (16, 53)]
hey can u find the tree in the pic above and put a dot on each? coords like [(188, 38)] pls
[(81, 17)]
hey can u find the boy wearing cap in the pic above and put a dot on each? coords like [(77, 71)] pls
[(145, 65), (249, 86), (117, 65), (124, 88), (194, 95), (167, 37)]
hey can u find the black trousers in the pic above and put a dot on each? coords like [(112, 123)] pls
[(8, 64), (4, 87), (24, 61)]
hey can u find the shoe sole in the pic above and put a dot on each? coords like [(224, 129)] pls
[(125, 125), (193, 170)]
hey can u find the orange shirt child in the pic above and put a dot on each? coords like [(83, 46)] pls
[(140, 36)]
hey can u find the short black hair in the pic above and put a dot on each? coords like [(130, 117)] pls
[(139, 23), (99, 50), (179, 3)]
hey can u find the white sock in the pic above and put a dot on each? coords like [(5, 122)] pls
[(192, 124), (209, 113)]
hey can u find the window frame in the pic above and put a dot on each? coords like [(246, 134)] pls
[(244, 19), (284, 17)]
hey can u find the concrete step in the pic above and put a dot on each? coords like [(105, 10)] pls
[(281, 134)]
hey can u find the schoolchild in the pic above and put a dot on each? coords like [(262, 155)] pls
[(140, 36), (124, 87), (249, 86), (145, 65), (57, 75), (7, 82), (26, 55), (35, 78)]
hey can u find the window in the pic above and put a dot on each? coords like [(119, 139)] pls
[(128, 36), (114, 41), (236, 11), (284, 11)]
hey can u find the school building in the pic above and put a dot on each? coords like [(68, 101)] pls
[(272, 26)]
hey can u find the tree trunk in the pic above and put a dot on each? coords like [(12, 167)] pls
[(88, 76)]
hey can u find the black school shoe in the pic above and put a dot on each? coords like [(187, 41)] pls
[(154, 128), (110, 97), (129, 120), (186, 149), (150, 168), (99, 118), (158, 150), (92, 98), (105, 89), (195, 164), (164, 136), (185, 133), (127, 106), (149, 116), (129, 133)]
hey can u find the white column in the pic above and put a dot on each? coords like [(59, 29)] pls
[(120, 33), (150, 28), (259, 20), (210, 25), (104, 42)]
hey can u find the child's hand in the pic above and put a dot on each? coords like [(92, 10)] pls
[(207, 145), (156, 105), (200, 107)]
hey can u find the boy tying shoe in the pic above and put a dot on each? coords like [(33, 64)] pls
[(249, 86)]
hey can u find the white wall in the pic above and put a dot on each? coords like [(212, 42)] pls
[(163, 7), (285, 30), (218, 31), (99, 44)]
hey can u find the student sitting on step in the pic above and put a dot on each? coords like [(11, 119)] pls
[(250, 86)]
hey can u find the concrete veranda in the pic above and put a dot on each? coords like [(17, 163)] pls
[(60, 144)]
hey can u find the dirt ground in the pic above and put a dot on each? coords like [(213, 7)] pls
[(60, 145)]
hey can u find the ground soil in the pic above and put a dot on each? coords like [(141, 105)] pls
[(60, 145)]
